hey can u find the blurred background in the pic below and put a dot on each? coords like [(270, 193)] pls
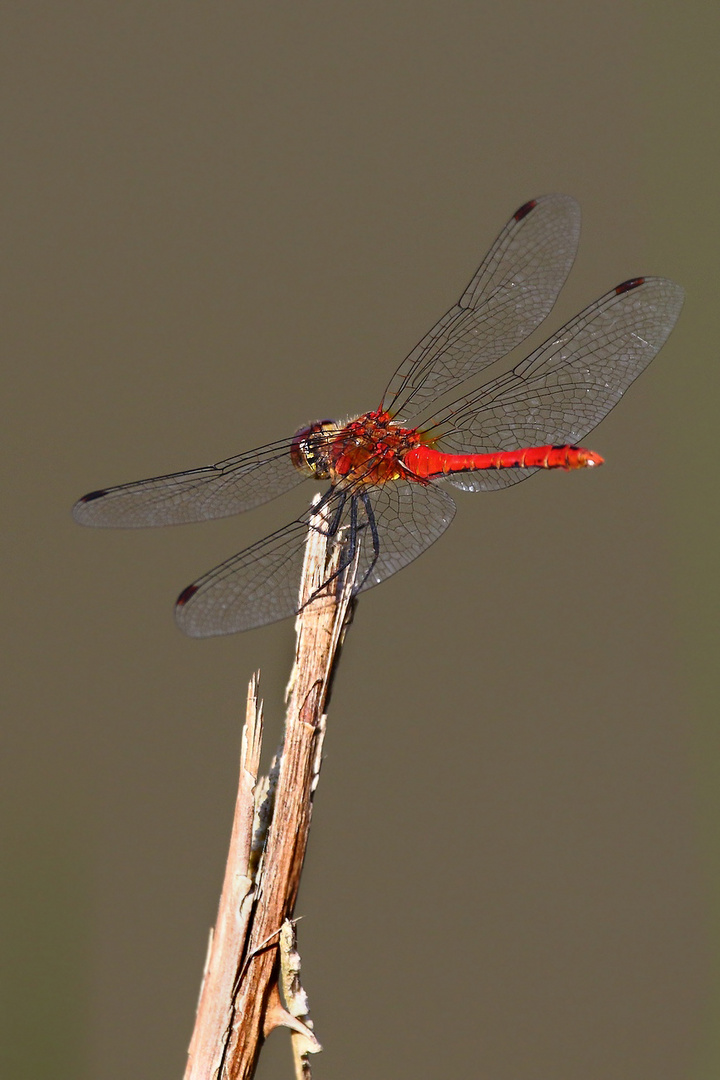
[(223, 221)]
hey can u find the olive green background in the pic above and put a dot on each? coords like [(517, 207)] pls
[(223, 221)]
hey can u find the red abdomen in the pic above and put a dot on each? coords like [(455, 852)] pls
[(425, 463)]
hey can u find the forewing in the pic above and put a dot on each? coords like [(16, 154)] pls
[(509, 296), (390, 526), (215, 491), (561, 391)]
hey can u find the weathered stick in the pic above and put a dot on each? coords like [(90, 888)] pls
[(227, 940), (240, 999)]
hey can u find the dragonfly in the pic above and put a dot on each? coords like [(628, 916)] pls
[(389, 470)]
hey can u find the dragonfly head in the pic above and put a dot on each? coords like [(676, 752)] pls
[(309, 448)]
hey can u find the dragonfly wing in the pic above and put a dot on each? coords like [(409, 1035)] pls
[(257, 586), (565, 387), (215, 491), (509, 296), (389, 526), (490, 479), (397, 522)]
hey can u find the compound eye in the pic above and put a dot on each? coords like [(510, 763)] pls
[(312, 429), (306, 443)]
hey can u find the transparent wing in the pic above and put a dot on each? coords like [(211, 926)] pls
[(405, 519), (509, 296), (215, 491), (565, 387), (388, 526)]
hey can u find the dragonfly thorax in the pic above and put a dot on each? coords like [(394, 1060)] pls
[(366, 450), (370, 449)]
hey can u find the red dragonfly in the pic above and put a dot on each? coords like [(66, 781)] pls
[(389, 469)]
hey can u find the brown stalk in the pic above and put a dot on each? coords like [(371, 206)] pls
[(251, 979)]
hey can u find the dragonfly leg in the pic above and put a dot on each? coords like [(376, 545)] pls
[(348, 546), (334, 523), (372, 525)]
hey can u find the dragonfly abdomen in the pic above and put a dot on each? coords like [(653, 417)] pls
[(426, 463)]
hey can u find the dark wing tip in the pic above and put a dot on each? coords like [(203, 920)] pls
[(525, 210), (631, 283), (78, 510), (185, 595)]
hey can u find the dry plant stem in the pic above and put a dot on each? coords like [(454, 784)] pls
[(240, 1001), (227, 941), (303, 1039)]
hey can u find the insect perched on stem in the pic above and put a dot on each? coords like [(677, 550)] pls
[(389, 469)]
